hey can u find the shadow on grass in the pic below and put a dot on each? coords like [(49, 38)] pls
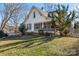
[(75, 47), (30, 42), (45, 39), (25, 37)]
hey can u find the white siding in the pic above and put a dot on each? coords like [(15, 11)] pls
[(38, 19)]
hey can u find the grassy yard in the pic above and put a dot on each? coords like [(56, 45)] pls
[(39, 46)]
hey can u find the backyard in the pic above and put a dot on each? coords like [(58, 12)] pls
[(35, 45)]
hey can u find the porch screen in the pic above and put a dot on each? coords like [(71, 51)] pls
[(37, 26)]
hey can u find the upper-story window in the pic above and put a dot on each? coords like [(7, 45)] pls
[(34, 15)]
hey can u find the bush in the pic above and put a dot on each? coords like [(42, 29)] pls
[(41, 32), (64, 32), (2, 34), (30, 33), (22, 29), (6, 34)]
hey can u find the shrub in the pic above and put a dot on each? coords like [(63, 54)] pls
[(41, 32), (2, 34), (22, 29), (30, 33), (6, 34), (64, 32)]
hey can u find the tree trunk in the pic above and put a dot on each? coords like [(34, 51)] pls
[(61, 33)]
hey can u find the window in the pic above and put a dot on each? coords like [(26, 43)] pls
[(29, 26), (38, 26), (47, 25), (34, 15)]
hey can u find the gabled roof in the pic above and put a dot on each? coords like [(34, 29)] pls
[(43, 13)]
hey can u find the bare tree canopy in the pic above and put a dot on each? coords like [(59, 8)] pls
[(7, 13), (49, 6)]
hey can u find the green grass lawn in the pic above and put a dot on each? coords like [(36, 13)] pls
[(38, 46)]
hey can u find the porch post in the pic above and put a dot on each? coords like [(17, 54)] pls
[(42, 25), (32, 26)]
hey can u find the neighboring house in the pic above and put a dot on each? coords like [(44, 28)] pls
[(37, 19), (74, 30), (10, 30), (76, 27)]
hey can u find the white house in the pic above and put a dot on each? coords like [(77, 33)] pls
[(37, 19)]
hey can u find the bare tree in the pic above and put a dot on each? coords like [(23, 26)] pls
[(17, 18), (7, 13), (49, 6)]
